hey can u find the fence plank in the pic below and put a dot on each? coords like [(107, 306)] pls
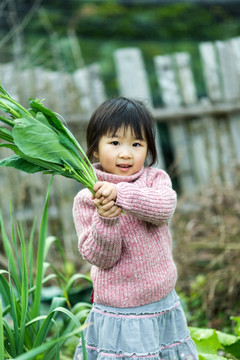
[(166, 76), (199, 152), (185, 76), (223, 75), (131, 74), (97, 88), (235, 131), (212, 149), (211, 71), (226, 152), (229, 143), (229, 74), (133, 83), (81, 79), (235, 45)]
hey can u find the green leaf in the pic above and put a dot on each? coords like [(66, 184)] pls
[(206, 340), (74, 278), (51, 117), (211, 357), (40, 254), (7, 121), (9, 253), (24, 294), (10, 345), (5, 134), (58, 125), (210, 341), (30, 355), (234, 348), (41, 118), (1, 333), (37, 140), (20, 164)]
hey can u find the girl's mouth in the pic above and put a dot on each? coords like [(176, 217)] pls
[(124, 166)]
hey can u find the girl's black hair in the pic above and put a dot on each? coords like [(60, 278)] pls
[(115, 113)]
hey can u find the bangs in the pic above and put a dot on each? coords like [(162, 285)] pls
[(136, 129), (125, 117)]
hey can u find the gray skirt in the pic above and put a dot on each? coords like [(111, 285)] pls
[(154, 331)]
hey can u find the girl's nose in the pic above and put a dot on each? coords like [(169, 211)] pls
[(125, 154)]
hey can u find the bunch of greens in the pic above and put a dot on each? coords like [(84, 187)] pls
[(41, 142)]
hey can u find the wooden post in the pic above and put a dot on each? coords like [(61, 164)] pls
[(218, 89), (166, 78), (169, 88), (185, 76), (231, 89), (97, 88), (235, 118), (133, 83), (196, 131), (211, 71), (81, 79), (227, 160)]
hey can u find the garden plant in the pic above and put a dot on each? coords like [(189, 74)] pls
[(26, 332)]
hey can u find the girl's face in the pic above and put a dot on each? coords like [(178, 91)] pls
[(121, 154)]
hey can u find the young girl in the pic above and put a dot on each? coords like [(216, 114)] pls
[(123, 231)]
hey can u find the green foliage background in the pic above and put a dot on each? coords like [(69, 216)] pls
[(104, 26)]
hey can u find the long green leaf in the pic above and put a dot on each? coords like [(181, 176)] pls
[(14, 312), (7, 121), (40, 254), (15, 247), (9, 253), (31, 256), (74, 278), (43, 332), (51, 117), (24, 293), (5, 134), (37, 135), (37, 163), (1, 333), (16, 109), (10, 344), (18, 163), (4, 287), (42, 348)]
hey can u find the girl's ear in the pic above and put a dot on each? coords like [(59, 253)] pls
[(95, 154)]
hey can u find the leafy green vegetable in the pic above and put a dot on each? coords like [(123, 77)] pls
[(41, 142), (215, 345)]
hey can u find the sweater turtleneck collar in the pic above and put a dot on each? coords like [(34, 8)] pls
[(104, 176)]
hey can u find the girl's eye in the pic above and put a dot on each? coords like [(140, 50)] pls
[(115, 143), (136, 144)]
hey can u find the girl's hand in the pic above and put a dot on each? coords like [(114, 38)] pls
[(109, 210), (104, 199), (105, 191)]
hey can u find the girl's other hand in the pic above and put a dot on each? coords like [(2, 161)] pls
[(105, 191), (109, 210)]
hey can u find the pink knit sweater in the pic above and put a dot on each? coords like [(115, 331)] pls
[(132, 253)]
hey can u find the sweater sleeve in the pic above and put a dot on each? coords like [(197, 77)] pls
[(154, 202), (99, 239)]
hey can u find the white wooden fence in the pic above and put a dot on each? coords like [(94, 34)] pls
[(204, 133)]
